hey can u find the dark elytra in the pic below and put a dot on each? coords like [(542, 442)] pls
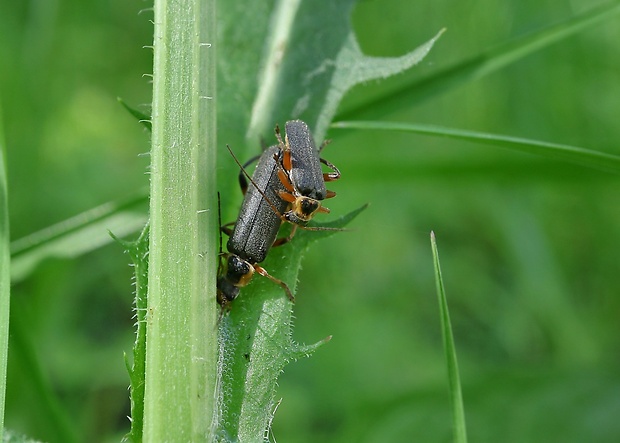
[(306, 173), (257, 224)]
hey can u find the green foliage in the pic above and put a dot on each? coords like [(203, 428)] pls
[(13, 437), (482, 64), (528, 242), (553, 151), (308, 82), (141, 116), (456, 395), (5, 276), (256, 342), (138, 251), (78, 235)]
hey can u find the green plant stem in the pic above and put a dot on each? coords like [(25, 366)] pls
[(181, 316)]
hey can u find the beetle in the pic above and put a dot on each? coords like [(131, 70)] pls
[(288, 185), (301, 174), (301, 159), (255, 231)]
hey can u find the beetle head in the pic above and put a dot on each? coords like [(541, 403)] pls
[(302, 210)]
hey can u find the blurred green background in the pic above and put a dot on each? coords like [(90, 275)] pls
[(528, 246)]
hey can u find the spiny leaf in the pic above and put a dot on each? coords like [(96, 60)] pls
[(312, 59), (298, 351), (138, 251), (305, 237), (255, 340), (479, 66)]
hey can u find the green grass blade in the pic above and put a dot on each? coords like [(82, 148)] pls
[(553, 151), (23, 349), (5, 276), (456, 396), (180, 380), (479, 66), (78, 235)]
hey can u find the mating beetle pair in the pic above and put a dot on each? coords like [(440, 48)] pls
[(288, 185)]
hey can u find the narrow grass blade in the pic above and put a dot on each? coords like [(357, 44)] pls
[(553, 151), (78, 235), (60, 425), (479, 66), (5, 276), (456, 396)]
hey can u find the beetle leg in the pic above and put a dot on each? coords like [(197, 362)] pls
[(226, 229), (330, 176), (284, 240), (262, 271)]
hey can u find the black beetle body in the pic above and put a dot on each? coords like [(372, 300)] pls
[(306, 173), (255, 231), (301, 174), (257, 224)]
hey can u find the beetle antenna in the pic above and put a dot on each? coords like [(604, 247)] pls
[(279, 137), (273, 207)]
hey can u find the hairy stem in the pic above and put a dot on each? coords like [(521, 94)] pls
[(181, 317)]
